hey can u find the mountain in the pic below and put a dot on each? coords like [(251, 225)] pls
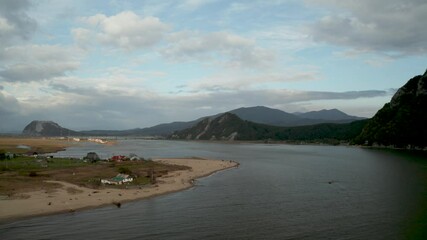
[(266, 115), (331, 114), (259, 114), (402, 121), (230, 127), (164, 129), (281, 118), (47, 128), (227, 126)]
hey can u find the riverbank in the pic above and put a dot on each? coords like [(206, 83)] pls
[(69, 197), (29, 145)]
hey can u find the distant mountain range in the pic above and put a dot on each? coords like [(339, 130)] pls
[(230, 127), (277, 117), (400, 123), (259, 114)]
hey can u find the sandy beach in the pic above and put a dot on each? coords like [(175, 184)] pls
[(70, 197)]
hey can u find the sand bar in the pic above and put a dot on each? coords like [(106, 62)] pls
[(70, 197)]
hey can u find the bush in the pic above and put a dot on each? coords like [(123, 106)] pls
[(125, 170), (2, 154)]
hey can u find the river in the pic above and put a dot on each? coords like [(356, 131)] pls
[(278, 192)]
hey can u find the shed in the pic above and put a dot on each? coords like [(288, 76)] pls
[(92, 157)]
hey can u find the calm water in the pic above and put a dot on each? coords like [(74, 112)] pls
[(278, 192)]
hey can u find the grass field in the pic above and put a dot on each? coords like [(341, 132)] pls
[(40, 145), (23, 174)]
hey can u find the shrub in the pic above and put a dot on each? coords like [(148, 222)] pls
[(125, 170), (2, 154)]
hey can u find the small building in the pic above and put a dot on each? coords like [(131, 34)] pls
[(118, 158), (9, 155), (118, 180), (134, 157), (92, 157)]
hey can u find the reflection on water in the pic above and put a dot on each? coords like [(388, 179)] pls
[(278, 192)]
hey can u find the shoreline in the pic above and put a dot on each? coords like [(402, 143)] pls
[(71, 198)]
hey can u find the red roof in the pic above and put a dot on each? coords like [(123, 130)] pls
[(118, 158)]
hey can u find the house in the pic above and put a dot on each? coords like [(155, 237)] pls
[(118, 158), (92, 157), (118, 180), (134, 157)]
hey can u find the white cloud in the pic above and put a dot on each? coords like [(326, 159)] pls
[(126, 30), (229, 49), (35, 72), (191, 5), (81, 36), (37, 62), (5, 26), (290, 38), (395, 27)]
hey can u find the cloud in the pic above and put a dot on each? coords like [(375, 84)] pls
[(10, 112), (82, 37), (14, 21), (231, 81), (35, 72), (126, 30), (191, 5), (395, 27), (290, 38), (37, 62), (8, 104), (69, 102), (273, 97), (229, 49)]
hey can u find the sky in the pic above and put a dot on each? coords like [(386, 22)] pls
[(119, 64)]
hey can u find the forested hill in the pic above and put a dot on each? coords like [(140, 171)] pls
[(230, 127), (402, 121)]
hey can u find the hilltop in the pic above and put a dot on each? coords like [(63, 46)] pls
[(47, 128)]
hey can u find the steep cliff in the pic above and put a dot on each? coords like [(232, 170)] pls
[(402, 121)]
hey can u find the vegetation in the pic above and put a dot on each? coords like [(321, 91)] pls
[(224, 126), (30, 145), (24, 174), (27, 164), (400, 123), (124, 170)]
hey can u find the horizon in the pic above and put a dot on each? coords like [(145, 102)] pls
[(136, 64)]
